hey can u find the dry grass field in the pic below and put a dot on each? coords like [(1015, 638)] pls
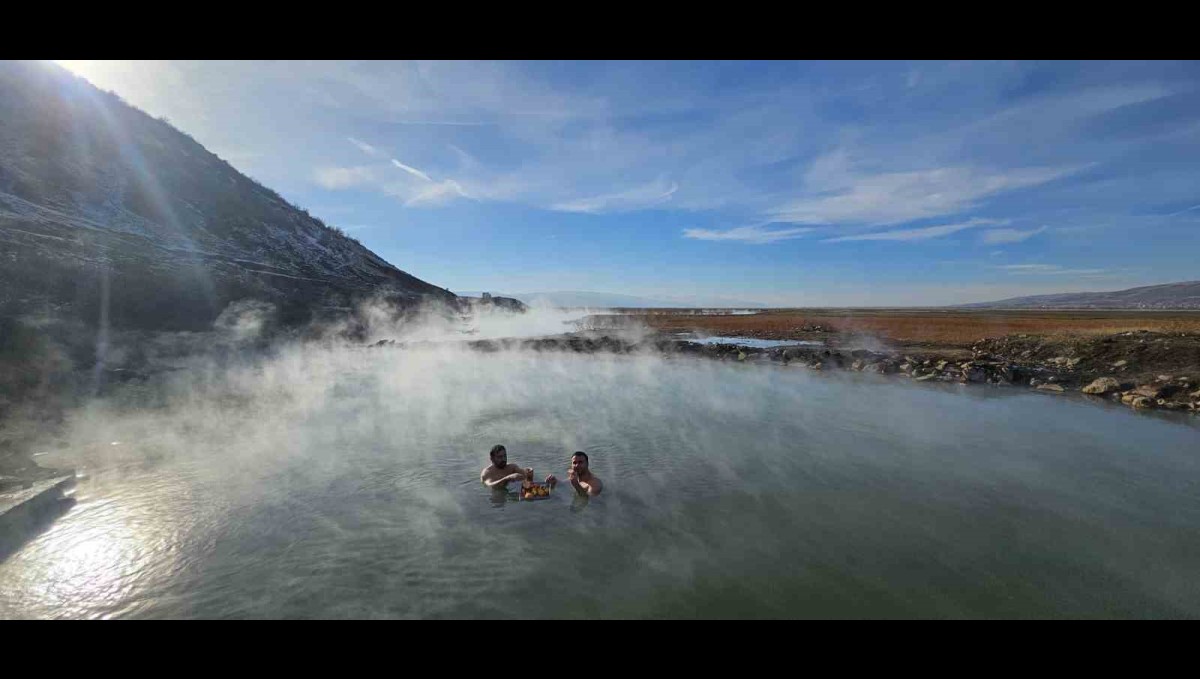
[(927, 327)]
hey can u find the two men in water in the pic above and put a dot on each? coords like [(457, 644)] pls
[(499, 473)]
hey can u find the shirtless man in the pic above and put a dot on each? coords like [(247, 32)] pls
[(500, 472), (584, 481)]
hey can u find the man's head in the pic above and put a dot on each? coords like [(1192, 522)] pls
[(499, 456), (579, 463)]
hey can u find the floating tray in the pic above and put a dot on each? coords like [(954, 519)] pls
[(522, 498)]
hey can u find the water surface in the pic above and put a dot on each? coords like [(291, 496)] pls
[(345, 485)]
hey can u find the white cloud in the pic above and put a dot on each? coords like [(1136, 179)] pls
[(344, 177), (923, 233), (993, 236), (365, 147), (632, 199), (746, 234), (843, 195), (465, 160), (1188, 209), (411, 170), (436, 193)]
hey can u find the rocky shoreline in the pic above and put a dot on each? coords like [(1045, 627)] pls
[(1143, 370)]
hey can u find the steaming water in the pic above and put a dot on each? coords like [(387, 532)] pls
[(751, 342), (345, 484)]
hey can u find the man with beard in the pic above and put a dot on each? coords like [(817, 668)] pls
[(584, 481), (499, 473)]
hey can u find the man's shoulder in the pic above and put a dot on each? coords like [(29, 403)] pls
[(492, 470)]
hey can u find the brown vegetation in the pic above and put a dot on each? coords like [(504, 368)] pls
[(922, 327)]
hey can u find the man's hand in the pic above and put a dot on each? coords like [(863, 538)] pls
[(571, 475), (551, 480)]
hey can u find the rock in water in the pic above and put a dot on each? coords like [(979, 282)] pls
[(1149, 391), (972, 373), (1102, 385), (1056, 388)]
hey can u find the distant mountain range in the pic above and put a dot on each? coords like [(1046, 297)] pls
[(1184, 295), (107, 212), (576, 298)]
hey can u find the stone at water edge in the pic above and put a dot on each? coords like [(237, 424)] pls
[(1149, 391), (1102, 385), (1056, 388), (973, 373)]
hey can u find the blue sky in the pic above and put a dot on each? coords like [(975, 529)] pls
[(785, 183)]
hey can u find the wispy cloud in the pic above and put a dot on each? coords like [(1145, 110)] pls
[(448, 123), (923, 233), (344, 177), (632, 199), (1049, 270), (1186, 209), (366, 148), (746, 234), (411, 170), (434, 193), (844, 195), (414, 189), (993, 236)]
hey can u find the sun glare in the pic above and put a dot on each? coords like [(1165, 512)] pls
[(94, 70)]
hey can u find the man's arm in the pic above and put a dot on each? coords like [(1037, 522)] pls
[(492, 483), (590, 487)]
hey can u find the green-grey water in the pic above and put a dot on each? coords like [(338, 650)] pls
[(344, 484)]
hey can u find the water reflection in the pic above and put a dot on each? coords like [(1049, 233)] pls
[(16, 533)]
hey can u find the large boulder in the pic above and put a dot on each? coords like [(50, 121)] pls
[(1102, 385)]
